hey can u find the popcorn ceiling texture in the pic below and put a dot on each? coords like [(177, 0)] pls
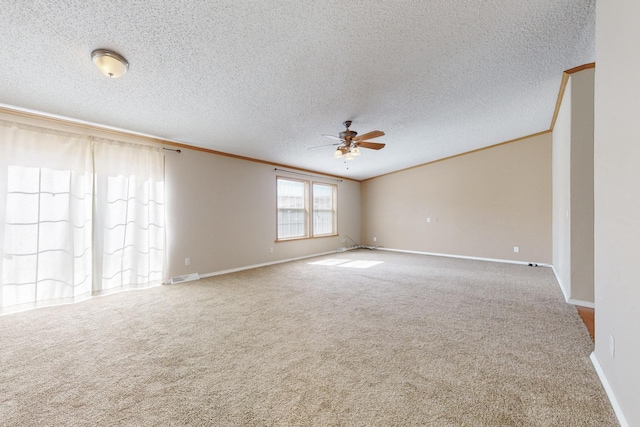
[(265, 79)]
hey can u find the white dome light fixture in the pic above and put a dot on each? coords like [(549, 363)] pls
[(109, 63)]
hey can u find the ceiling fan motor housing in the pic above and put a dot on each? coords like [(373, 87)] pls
[(348, 135)]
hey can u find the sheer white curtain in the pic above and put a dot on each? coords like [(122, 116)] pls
[(77, 217), (45, 215), (129, 224)]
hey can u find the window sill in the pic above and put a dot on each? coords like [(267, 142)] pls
[(295, 239)]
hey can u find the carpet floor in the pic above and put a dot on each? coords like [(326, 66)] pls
[(360, 338)]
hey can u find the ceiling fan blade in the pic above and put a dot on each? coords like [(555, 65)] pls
[(332, 137), (369, 135), (323, 145), (371, 145)]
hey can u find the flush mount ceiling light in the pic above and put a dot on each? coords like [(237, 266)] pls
[(109, 63)]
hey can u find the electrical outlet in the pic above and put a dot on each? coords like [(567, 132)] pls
[(187, 261), (516, 249), (271, 250), (428, 219), (375, 239)]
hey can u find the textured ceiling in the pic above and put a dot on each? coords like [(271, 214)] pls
[(265, 79)]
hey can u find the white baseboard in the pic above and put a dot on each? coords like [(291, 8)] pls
[(610, 394), (564, 291), (264, 264), (581, 303), (508, 261), (567, 298)]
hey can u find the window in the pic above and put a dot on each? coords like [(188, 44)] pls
[(293, 209), (298, 201), (324, 210)]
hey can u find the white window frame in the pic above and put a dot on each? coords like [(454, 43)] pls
[(309, 210), (315, 211), (289, 210)]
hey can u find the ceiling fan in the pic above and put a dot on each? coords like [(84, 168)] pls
[(350, 142)]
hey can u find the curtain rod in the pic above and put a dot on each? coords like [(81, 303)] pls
[(306, 174), (172, 149)]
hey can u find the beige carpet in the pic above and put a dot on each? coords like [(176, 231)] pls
[(416, 340)]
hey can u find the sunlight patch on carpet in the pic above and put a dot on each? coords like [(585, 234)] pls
[(347, 263), (331, 261), (361, 264)]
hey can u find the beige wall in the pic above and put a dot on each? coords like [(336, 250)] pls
[(222, 214), (617, 201), (582, 84), (221, 211), (481, 204), (572, 167)]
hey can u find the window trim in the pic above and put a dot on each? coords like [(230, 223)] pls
[(309, 210)]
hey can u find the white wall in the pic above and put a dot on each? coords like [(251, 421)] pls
[(561, 170), (617, 201), (222, 214), (573, 189)]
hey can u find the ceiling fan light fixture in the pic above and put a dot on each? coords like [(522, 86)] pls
[(111, 64), (350, 142)]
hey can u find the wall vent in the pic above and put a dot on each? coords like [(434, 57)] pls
[(185, 278)]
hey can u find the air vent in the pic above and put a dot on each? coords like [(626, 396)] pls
[(185, 278)]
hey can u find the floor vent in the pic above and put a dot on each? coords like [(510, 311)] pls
[(185, 278)]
